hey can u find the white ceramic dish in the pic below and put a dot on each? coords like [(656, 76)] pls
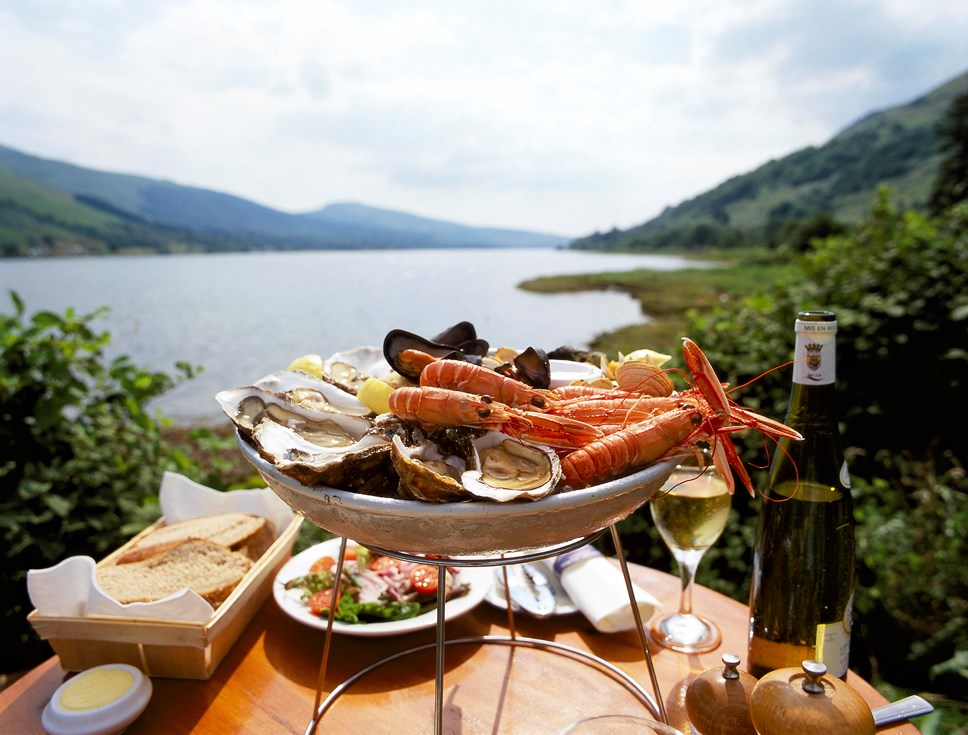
[(103, 700), (565, 372), (477, 578), (471, 529)]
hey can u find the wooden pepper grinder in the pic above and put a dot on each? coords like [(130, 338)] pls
[(808, 702), (718, 700)]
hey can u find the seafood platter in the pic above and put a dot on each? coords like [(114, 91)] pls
[(445, 446)]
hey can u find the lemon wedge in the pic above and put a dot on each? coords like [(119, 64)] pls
[(312, 364), (375, 394)]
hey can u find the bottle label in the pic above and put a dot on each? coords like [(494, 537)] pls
[(815, 354), (833, 642)]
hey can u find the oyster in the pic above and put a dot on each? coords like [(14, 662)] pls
[(351, 368), (489, 466), (339, 452), (251, 405), (314, 393), (427, 471), (508, 469)]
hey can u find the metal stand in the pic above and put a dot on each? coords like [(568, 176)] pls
[(655, 706)]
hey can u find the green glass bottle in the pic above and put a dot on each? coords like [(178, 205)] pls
[(803, 561)]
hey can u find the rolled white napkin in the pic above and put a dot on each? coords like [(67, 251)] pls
[(597, 587), (70, 587)]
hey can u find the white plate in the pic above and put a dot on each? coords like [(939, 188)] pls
[(565, 372), (477, 578)]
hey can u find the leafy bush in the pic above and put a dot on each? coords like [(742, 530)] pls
[(899, 286), (80, 459)]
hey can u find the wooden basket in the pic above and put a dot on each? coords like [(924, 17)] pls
[(166, 648)]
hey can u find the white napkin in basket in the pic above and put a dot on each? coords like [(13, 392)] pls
[(70, 588), (597, 587)]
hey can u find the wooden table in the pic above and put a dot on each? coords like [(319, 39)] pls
[(267, 683)]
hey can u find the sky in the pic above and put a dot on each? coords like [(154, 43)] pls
[(559, 116)]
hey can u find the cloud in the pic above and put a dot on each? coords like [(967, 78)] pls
[(560, 116)]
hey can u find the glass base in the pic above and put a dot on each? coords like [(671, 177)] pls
[(685, 633)]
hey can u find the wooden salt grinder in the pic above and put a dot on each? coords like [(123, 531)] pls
[(718, 700), (807, 702)]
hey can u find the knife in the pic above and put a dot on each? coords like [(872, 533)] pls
[(530, 589), (902, 709)]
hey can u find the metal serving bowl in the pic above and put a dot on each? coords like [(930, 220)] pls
[(465, 529)]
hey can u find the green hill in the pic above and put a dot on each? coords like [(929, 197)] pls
[(816, 187), (53, 207), (38, 220)]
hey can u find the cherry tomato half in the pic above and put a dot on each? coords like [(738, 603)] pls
[(423, 577), (320, 601), (382, 563), (323, 564)]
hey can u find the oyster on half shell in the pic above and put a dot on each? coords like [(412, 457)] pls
[(491, 466), (307, 390), (339, 452), (508, 469), (351, 368)]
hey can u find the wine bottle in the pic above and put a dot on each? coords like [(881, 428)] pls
[(802, 586)]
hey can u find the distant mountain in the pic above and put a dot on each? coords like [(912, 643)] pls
[(816, 187), (51, 207)]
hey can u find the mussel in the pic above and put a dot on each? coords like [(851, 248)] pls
[(408, 353)]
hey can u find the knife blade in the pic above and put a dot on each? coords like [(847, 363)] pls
[(530, 589)]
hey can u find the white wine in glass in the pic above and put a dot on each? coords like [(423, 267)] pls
[(690, 513)]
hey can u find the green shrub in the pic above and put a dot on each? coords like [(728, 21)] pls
[(80, 459), (899, 285)]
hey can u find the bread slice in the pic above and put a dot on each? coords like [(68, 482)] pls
[(248, 534), (204, 566)]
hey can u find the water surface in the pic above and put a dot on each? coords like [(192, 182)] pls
[(243, 315)]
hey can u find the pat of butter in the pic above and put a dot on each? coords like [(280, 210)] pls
[(100, 701), (95, 688)]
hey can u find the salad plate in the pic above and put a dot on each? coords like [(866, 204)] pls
[(477, 579)]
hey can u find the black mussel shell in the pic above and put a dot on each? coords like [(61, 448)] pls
[(531, 367), (464, 338), (457, 334), (399, 340)]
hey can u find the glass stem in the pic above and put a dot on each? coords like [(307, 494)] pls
[(688, 561)]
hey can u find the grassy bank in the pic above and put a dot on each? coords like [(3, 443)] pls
[(666, 296)]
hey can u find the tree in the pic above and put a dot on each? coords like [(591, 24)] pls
[(951, 185)]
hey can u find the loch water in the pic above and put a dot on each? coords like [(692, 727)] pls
[(242, 315)]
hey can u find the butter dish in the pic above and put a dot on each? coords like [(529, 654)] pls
[(103, 700)]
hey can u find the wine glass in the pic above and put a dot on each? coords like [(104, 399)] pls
[(690, 513)]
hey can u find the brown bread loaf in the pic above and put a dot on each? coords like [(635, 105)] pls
[(208, 568), (242, 532)]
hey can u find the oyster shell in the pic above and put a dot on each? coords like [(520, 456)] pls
[(351, 368), (427, 471), (311, 392), (333, 452), (251, 405), (491, 466), (507, 469)]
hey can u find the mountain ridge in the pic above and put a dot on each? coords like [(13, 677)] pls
[(829, 185), (172, 217)]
